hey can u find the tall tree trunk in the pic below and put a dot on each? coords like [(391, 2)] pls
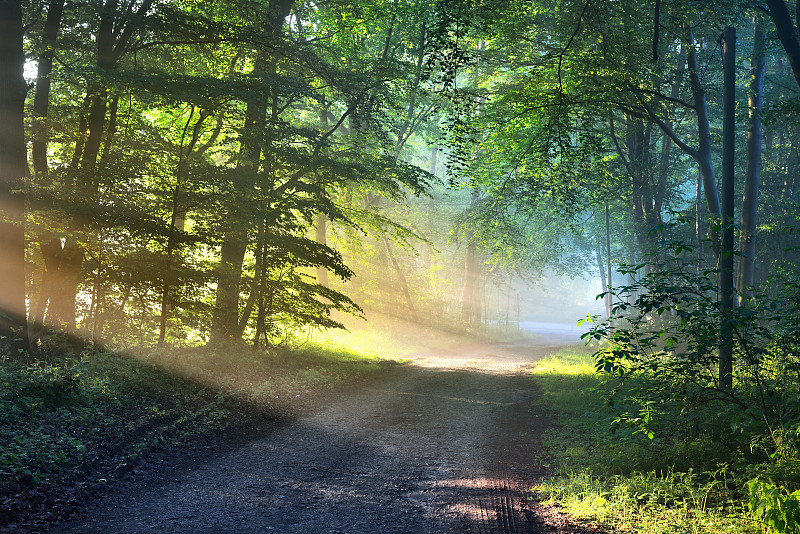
[(61, 310), (13, 167), (256, 289), (704, 137), (634, 154), (39, 146), (50, 245), (601, 265), (609, 278), (41, 98), (470, 297), (636, 148), (752, 177), (178, 215), (701, 154), (727, 248), (698, 221), (225, 317)]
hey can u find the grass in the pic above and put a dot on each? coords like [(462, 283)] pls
[(384, 336), (370, 341), (625, 482)]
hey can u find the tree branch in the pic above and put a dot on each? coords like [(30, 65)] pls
[(669, 131)]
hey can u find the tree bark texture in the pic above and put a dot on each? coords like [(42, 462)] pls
[(727, 249), (747, 233), (13, 166), (41, 98)]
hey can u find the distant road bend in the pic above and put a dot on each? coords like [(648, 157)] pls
[(450, 444)]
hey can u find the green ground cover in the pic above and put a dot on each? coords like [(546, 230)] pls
[(625, 481)]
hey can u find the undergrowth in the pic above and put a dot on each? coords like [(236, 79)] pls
[(622, 479), (72, 421)]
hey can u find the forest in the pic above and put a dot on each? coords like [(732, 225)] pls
[(182, 178)]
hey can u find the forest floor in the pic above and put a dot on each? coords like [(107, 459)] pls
[(448, 443)]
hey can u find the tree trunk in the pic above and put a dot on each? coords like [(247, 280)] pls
[(50, 247), (41, 99), (609, 283), (225, 320), (470, 297), (178, 216), (49, 244), (727, 249), (747, 233), (787, 34), (13, 166), (225, 317), (704, 138), (111, 41), (698, 222), (256, 289), (701, 154), (603, 284), (636, 148)]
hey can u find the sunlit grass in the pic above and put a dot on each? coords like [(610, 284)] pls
[(617, 479), (380, 337), (367, 342)]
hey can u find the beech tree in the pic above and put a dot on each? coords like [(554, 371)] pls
[(13, 314)]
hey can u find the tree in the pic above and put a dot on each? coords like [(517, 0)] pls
[(787, 33), (13, 169), (234, 241)]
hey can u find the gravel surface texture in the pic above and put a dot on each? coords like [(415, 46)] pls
[(448, 444)]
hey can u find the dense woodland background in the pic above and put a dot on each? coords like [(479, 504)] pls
[(187, 173), (213, 171)]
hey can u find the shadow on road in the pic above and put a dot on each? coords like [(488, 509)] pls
[(420, 450)]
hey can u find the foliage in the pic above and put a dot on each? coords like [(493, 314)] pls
[(779, 510), (61, 416), (622, 480), (659, 352), (665, 331)]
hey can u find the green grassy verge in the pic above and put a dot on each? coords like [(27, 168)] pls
[(71, 424), (626, 482)]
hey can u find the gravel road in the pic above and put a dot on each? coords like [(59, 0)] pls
[(450, 444)]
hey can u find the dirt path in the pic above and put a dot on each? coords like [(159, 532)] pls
[(448, 445)]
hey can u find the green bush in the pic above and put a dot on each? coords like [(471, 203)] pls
[(659, 353), (777, 508), (661, 345)]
